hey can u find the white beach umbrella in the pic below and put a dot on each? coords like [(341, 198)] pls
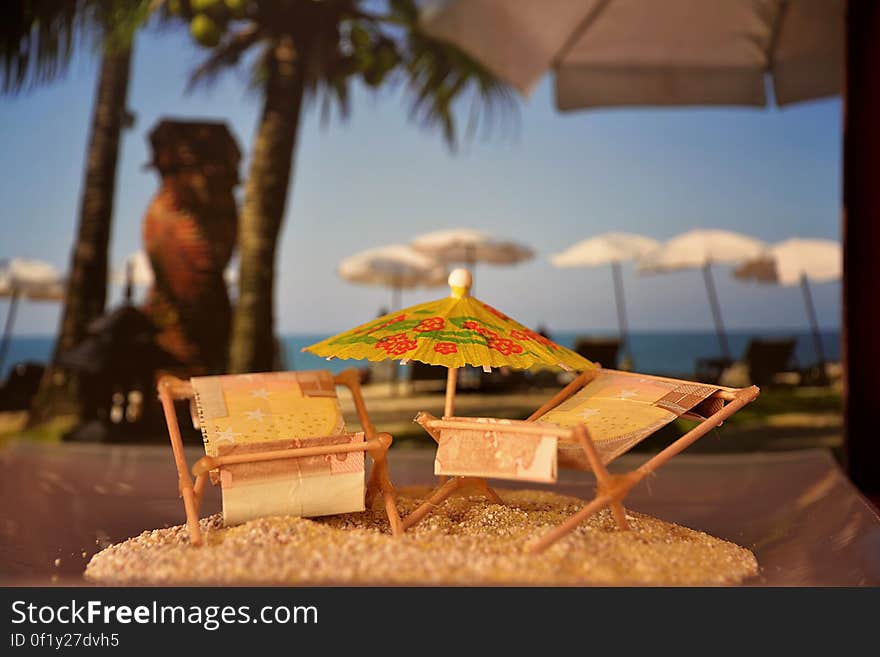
[(613, 249), (797, 262), (700, 249), (396, 266), (470, 246), (633, 52), (24, 278)]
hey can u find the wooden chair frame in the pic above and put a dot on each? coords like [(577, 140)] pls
[(171, 388), (611, 489)]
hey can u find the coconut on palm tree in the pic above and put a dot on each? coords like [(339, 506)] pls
[(314, 50)]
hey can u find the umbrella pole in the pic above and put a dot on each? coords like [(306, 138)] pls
[(617, 273), (814, 324), (451, 380), (716, 310), (7, 328)]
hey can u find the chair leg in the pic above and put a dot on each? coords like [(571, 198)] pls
[(392, 513), (191, 498), (483, 486), (603, 477), (380, 481), (191, 507), (570, 524), (199, 490), (444, 491), (372, 486), (435, 499)]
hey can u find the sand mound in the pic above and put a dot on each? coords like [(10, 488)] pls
[(467, 541)]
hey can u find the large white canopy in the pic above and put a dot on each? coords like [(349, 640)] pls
[(31, 279), (698, 248), (604, 249), (788, 262), (653, 52), (397, 266), (471, 246)]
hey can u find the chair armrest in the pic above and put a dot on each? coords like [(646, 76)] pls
[(175, 388), (204, 465), (208, 463)]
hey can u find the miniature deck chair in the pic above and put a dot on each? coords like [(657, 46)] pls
[(277, 444), (597, 417)]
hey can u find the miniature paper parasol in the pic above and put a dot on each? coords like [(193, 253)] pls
[(453, 332), (699, 249), (28, 279), (614, 249), (675, 52), (396, 266), (797, 261)]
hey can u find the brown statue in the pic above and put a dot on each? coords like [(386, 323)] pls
[(189, 234)]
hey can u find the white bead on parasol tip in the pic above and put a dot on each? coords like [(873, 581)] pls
[(460, 281)]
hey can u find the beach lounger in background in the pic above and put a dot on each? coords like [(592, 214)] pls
[(597, 417), (766, 358), (277, 445), (21, 386), (424, 377), (603, 351), (712, 370)]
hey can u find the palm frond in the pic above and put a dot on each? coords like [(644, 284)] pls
[(38, 37), (226, 55), (37, 40), (121, 19), (441, 76)]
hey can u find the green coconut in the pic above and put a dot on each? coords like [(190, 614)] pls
[(205, 31)]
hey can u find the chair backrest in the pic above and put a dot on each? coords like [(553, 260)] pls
[(260, 408), (768, 357), (249, 413), (620, 409)]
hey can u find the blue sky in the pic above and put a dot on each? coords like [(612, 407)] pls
[(551, 180)]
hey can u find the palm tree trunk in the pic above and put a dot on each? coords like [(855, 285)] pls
[(87, 282), (252, 347)]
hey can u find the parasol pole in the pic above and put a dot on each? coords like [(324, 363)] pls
[(7, 328), (814, 323), (451, 380), (460, 283), (617, 273), (716, 310)]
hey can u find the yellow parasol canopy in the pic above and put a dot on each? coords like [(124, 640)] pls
[(453, 332)]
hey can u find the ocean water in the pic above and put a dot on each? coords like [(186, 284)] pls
[(655, 352)]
